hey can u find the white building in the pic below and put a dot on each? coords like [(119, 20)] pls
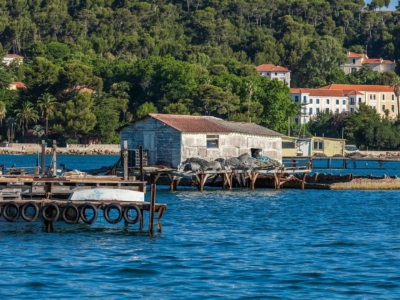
[(275, 72), (10, 57), (338, 98), (355, 61)]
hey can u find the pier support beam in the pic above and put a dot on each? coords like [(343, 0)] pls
[(43, 156), (125, 158), (54, 158), (303, 180), (152, 203)]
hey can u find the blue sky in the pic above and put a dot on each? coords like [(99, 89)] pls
[(392, 6)]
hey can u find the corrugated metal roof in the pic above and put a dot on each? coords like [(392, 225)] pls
[(206, 124)]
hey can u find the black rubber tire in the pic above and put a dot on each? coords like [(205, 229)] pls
[(134, 207), (65, 216), (25, 207), (54, 217), (5, 211), (83, 209), (107, 211)]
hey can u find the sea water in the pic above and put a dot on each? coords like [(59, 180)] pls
[(239, 244)]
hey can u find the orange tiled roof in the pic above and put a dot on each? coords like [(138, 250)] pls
[(318, 92), (354, 55), (352, 92), (358, 87), (271, 68), (18, 84), (377, 61), (14, 56)]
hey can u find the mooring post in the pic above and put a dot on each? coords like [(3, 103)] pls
[(152, 202), (141, 163), (329, 162), (43, 156), (303, 181), (54, 158), (125, 157), (380, 164)]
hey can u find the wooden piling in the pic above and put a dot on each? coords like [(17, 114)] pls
[(43, 156), (125, 159), (152, 203), (303, 180), (141, 163), (54, 158)]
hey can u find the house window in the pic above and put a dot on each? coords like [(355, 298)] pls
[(344, 102), (212, 141), (318, 145), (374, 97), (337, 101), (310, 101), (392, 108), (354, 61), (276, 74), (392, 97), (305, 99), (370, 96), (383, 108), (327, 110), (317, 101), (383, 97), (359, 100), (267, 74), (296, 120), (351, 110), (351, 101), (343, 110), (337, 110), (317, 110), (353, 70), (310, 110), (288, 145), (296, 98), (327, 101)]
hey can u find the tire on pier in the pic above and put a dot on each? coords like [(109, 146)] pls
[(50, 212), (11, 211), (127, 216), (67, 216), (84, 208), (108, 208), (26, 214)]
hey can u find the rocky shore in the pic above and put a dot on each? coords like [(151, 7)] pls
[(16, 148)]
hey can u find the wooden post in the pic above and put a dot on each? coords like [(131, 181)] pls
[(329, 162), (303, 180), (141, 163), (43, 156), (152, 202), (125, 158), (344, 164), (54, 158), (380, 164), (201, 183)]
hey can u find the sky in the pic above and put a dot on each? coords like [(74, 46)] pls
[(392, 6)]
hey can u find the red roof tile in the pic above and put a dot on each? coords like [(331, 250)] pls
[(377, 61), (206, 124), (354, 55), (14, 56), (19, 84), (358, 87), (318, 92), (271, 68)]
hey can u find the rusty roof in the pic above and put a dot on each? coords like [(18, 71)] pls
[(18, 84), (354, 55), (377, 61), (318, 92), (207, 124)]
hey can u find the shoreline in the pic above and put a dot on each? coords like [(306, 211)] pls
[(94, 149)]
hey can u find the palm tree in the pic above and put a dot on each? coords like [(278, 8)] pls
[(25, 115), (396, 89), (47, 104), (3, 112)]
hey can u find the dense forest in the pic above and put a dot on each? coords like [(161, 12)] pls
[(186, 57)]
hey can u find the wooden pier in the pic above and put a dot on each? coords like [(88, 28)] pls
[(44, 195)]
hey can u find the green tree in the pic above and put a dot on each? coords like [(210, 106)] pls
[(145, 109), (25, 115), (395, 84), (47, 104)]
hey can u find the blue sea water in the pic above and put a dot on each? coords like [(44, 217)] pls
[(238, 244)]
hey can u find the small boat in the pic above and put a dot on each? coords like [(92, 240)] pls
[(102, 194)]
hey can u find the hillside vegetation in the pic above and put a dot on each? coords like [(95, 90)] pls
[(187, 57)]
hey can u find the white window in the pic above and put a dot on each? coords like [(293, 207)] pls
[(212, 141)]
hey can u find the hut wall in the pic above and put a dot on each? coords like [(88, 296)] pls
[(162, 142), (230, 145)]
